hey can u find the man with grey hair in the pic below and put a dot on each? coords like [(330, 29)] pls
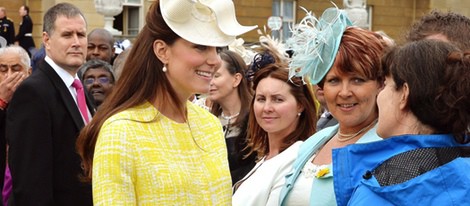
[(14, 68), (44, 165)]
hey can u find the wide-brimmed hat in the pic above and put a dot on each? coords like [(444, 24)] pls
[(203, 22)]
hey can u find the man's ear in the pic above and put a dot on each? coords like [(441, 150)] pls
[(45, 40), (160, 49)]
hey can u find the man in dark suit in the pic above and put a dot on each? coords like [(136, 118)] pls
[(24, 38), (14, 68), (44, 118), (326, 119)]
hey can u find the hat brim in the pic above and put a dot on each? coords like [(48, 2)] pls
[(203, 30)]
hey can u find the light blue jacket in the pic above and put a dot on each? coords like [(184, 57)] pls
[(448, 184), (309, 148)]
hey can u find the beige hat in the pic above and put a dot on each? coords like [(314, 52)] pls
[(203, 22)]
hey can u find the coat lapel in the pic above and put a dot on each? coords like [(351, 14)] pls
[(64, 93), (89, 102)]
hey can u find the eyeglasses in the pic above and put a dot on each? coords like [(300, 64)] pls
[(101, 80)]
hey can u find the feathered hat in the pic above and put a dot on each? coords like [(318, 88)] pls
[(315, 43)]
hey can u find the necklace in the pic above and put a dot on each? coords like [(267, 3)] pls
[(229, 117), (347, 137)]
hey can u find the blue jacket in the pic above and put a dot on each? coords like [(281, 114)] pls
[(309, 148), (448, 184)]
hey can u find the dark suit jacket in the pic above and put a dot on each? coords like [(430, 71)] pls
[(7, 30), (26, 27), (324, 122), (43, 122)]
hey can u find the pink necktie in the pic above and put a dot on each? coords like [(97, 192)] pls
[(81, 99)]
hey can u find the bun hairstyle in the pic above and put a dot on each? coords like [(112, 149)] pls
[(236, 64), (437, 75)]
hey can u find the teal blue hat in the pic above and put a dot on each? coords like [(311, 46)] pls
[(315, 43)]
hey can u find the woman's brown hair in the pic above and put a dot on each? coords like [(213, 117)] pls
[(360, 52), (437, 75), (235, 64), (303, 93), (142, 80)]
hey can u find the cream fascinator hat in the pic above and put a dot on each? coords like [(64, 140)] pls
[(203, 22)]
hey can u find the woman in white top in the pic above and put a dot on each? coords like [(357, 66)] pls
[(282, 115)]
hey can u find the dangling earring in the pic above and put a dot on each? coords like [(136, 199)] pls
[(164, 69)]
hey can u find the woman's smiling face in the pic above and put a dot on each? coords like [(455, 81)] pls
[(191, 67), (351, 98)]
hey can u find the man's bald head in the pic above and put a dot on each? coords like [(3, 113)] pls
[(100, 45)]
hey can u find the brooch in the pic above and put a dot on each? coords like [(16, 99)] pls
[(317, 171)]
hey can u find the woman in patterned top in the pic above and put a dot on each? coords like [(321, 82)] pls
[(231, 94), (148, 145)]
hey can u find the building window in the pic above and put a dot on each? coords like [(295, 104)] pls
[(130, 21), (370, 11), (286, 10)]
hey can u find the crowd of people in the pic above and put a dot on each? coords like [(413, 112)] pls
[(336, 115), (24, 38)]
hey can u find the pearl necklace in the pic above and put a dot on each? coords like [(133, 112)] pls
[(351, 136), (229, 117)]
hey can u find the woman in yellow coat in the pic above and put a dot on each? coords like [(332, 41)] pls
[(147, 144)]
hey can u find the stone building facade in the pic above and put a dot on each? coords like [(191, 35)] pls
[(391, 16)]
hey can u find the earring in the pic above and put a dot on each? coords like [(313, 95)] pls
[(298, 114), (164, 69)]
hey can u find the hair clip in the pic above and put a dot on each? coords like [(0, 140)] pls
[(270, 51), (259, 61)]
